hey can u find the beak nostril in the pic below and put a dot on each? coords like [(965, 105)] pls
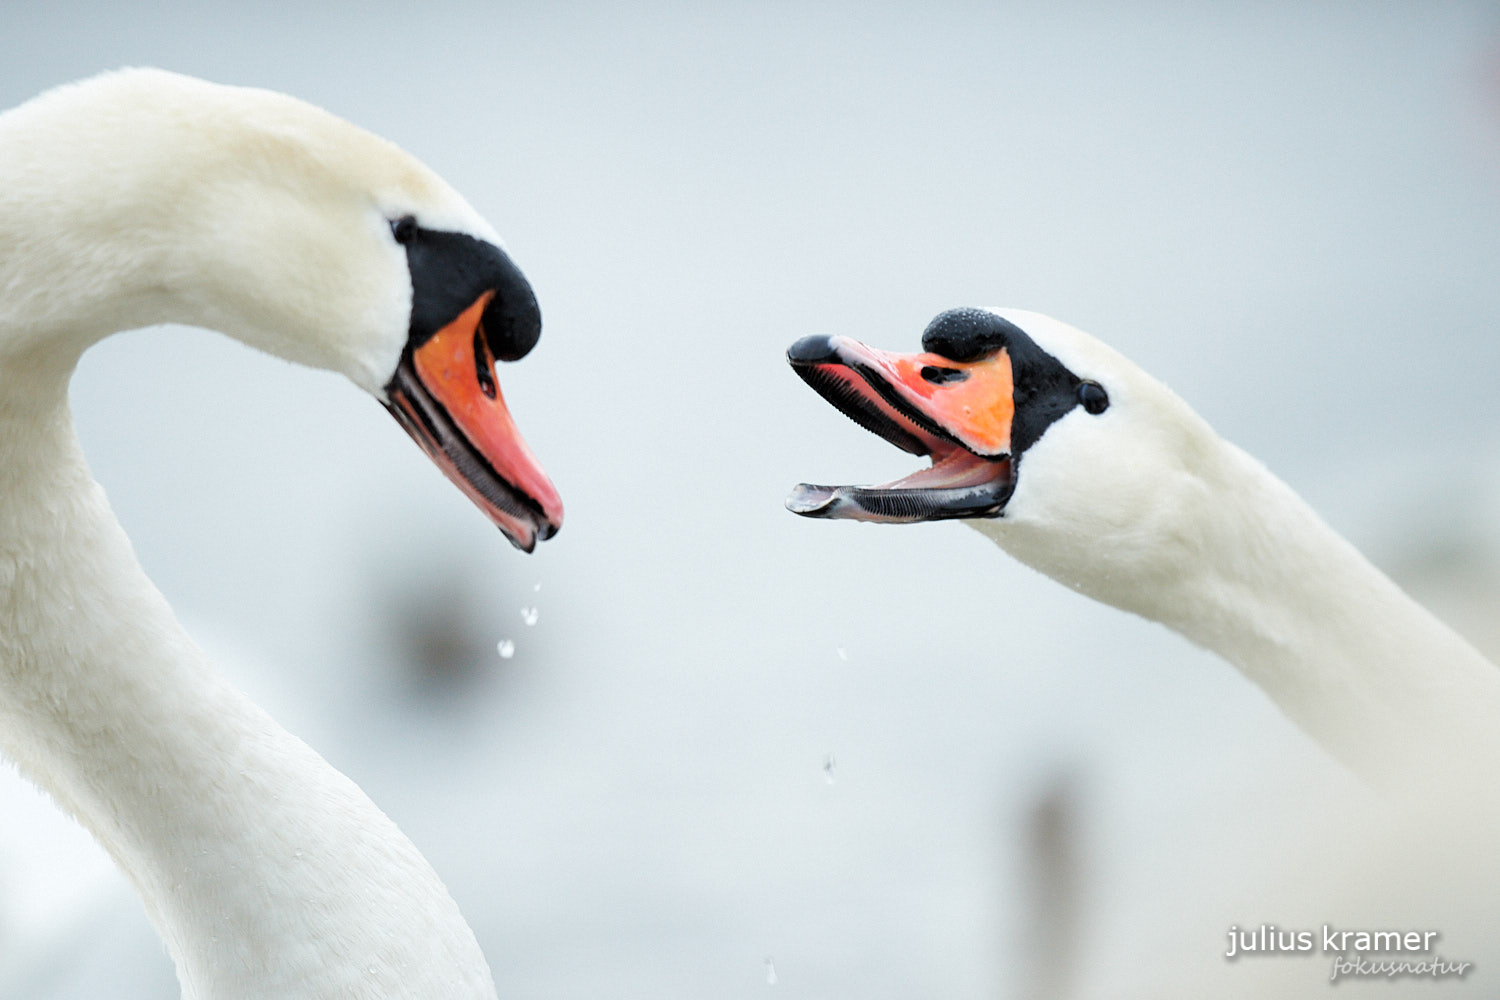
[(483, 364), (941, 376)]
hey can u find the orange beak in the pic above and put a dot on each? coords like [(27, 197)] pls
[(971, 401), (981, 394), (446, 396), (958, 413)]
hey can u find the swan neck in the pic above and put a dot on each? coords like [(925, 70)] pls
[(1375, 677), (141, 198), (1226, 554), (266, 871)]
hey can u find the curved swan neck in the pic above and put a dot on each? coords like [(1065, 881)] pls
[(1347, 654), (1242, 566), (267, 872)]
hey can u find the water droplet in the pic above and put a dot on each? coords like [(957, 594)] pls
[(770, 972), (537, 589), (843, 653), (529, 615), (506, 648), (829, 764)]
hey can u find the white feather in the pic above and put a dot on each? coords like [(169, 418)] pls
[(142, 197), (1144, 507)]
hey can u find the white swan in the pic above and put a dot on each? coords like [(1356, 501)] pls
[(1086, 468), (143, 197)]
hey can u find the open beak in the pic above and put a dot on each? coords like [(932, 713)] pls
[(445, 394), (958, 413)]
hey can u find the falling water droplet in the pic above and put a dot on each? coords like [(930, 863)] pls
[(537, 589), (829, 764), (506, 648), (529, 615), (770, 972), (843, 654)]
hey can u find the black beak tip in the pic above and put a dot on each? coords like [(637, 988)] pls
[(814, 350), (526, 544)]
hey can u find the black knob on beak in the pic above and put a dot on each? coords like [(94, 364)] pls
[(968, 334), (451, 271), (512, 320)]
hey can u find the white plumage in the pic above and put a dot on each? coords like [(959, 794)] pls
[(137, 198), (1146, 508)]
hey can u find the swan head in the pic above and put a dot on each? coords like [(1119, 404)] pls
[(1042, 437), (268, 219)]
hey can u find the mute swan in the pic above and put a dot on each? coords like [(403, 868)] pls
[(1084, 467), (143, 197)]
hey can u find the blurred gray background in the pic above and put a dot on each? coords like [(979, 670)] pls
[(743, 754)]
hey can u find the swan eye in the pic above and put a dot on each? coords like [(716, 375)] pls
[(1093, 397), (404, 229)]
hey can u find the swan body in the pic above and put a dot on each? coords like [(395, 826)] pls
[(143, 197), (1099, 476)]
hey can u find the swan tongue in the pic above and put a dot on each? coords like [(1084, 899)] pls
[(882, 505), (445, 394)]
